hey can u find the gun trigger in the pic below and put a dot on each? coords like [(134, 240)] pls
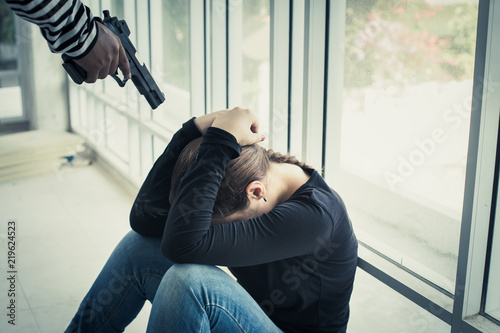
[(120, 82)]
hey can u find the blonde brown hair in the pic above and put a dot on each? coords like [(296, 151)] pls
[(252, 164)]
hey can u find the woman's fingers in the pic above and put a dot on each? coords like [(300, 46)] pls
[(241, 123), (205, 121)]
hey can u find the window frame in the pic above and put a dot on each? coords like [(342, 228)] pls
[(24, 72), (479, 185)]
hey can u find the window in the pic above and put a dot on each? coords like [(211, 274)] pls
[(10, 76), (405, 123), (171, 51), (248, 62), (375, 94)]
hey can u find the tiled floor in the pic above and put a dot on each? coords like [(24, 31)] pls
[(67, 224)]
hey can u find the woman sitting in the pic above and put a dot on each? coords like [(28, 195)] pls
[(215, 197)]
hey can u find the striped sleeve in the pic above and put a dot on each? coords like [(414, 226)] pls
[(67, 25)]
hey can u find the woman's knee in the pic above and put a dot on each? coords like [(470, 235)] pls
[(190, 273), (189, 276), (135, 250), (135, 244)]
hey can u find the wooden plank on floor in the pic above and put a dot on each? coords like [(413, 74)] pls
[(35, 152)]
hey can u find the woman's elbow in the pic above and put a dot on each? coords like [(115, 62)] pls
[(135, 222), (175, 252), (170, 251), (146, 227)]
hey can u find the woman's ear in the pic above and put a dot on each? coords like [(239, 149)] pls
[(255, 190)]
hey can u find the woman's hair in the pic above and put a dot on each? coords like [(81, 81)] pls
[(252, 165)]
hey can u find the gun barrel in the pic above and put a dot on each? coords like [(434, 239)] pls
[(142, 78)]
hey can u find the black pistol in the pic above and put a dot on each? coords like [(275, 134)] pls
[(141, 76)]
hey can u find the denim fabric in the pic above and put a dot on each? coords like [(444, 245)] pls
[(130, 276), (185, 297), (202, 298)]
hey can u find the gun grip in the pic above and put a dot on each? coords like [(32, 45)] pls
[(76, 73)]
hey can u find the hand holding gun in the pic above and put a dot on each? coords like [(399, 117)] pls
[(141, 76)]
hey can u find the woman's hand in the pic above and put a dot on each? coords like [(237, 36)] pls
[(206, 121), (241, 123)]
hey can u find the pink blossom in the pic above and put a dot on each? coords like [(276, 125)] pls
[(400, 10)]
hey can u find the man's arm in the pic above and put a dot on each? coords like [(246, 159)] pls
[(69, 28)]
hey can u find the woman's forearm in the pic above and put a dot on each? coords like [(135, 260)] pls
[(187, 227), (151, 206)]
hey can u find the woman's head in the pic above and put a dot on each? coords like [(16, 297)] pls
[(245, 176), (252, 165)]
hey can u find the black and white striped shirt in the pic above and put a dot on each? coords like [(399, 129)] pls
[(67, 25)]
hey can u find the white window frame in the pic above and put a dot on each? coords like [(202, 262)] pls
[(479, 189)]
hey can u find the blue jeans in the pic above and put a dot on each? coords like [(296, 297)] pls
[(185, 297)]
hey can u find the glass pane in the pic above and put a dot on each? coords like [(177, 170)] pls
[(393, 312), (249, 58), (116, 128), (112, 88), (172, 51), (405, 122), (10, 90), (176, 43), (158, 147), (255, 52), (117, 9), (8, 49)]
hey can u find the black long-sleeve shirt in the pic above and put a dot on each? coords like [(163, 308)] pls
[(67, 25), (298, 261)]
